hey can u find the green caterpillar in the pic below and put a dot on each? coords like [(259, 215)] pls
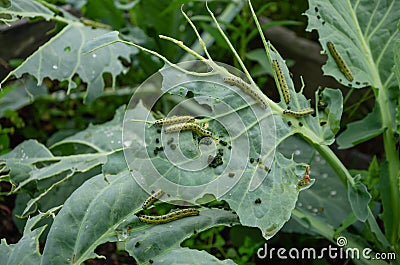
[(162, 219), (150, 200), (246, 88), (282, 81), (174, 120), (186, 127), (299, 113), (339, 61)]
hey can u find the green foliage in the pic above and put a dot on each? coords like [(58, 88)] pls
[(361, 131), (366, 41), (359, 199), (359, 38), (327, 200), (61, 57), (86, 187), (108, 188)]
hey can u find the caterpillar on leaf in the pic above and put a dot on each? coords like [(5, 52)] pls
[(162, 219), (257, 95), (340, 61)]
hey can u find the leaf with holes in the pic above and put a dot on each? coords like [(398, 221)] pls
[(26, 251), (35, 169), (149, 242), (261, 191), (101, 138), (62, 57), (363, 33), (101, 211), (25, 8), (326, 200), (363, 130)]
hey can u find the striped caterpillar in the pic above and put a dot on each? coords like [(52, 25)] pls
[(188, 126), (257, 95), (299, 113), (162, 219), (339, 61), (282, 81), (169, 121), (94, 24), (150, 200), (174, 120)]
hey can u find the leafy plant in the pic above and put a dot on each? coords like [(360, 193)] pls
[(88, 188)]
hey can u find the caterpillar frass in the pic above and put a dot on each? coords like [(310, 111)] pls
[(299, 113), (282, 81), (339, 61), (186, 127), (174, 120), (162, 219), (153, 197), (257, 95)]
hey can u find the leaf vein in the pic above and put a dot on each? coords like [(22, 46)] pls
[(381, 22)]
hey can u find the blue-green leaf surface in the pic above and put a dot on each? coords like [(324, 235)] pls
[(360, 131), (62, 57), (102, 138), (147, 242), (269, 204), (363, 32), (359, 198), (189, 256), (101, 211), (26, 251), (25, 8), (327, 199), (20, 94), (35, 169)]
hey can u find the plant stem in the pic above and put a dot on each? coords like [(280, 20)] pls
[(393, 163), (334, 162), (345, 177), (328, 232), (230, 12)]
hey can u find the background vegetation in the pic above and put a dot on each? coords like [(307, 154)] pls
[(51, 110)]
